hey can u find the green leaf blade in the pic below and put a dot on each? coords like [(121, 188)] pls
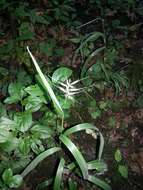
[(123, 170), (38, 159), (118, 155), (88, 127), (76, 154), (58, 178), (99, 182), (47, 86), (61, 74)]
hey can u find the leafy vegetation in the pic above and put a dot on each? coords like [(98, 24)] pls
[(85, 71)]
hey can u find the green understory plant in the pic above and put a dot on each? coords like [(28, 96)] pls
[(122, 168), (23, 17), (112, 121), (62, 12), (96, 109), (38, 139), (64, 137), (98, 63)]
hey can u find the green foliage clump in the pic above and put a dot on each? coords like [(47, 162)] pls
[(31, 137)]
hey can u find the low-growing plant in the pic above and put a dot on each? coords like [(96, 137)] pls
[(112, 121), (30, 138), (97, 109), (122, 168), (98, 63), (62, 12)]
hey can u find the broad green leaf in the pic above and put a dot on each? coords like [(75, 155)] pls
[(38, 159), (59, 173), (34, 90), (65, 103), (61, 74), (99, 182), (11, 181), (34, 103), (37, 147), (5, 135), (123, 170), (24, 146), (118, 155), (23, 120), (3, 111), (15, 181), (16, 89), (7, 146), (47, 86), (76, 154), (7, 175), (36, 99), (16, 93), (6, 123), (42, 131), (11, 100)]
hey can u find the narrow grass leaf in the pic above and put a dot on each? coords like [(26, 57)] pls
[(86, 126), (101, 147), (47, 85), (92, 165), (38, 159), (105, 72), (89, 58), (97, 165), (80, 127), (99, 182), (76, 154), (58, 178), (92, 37)]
